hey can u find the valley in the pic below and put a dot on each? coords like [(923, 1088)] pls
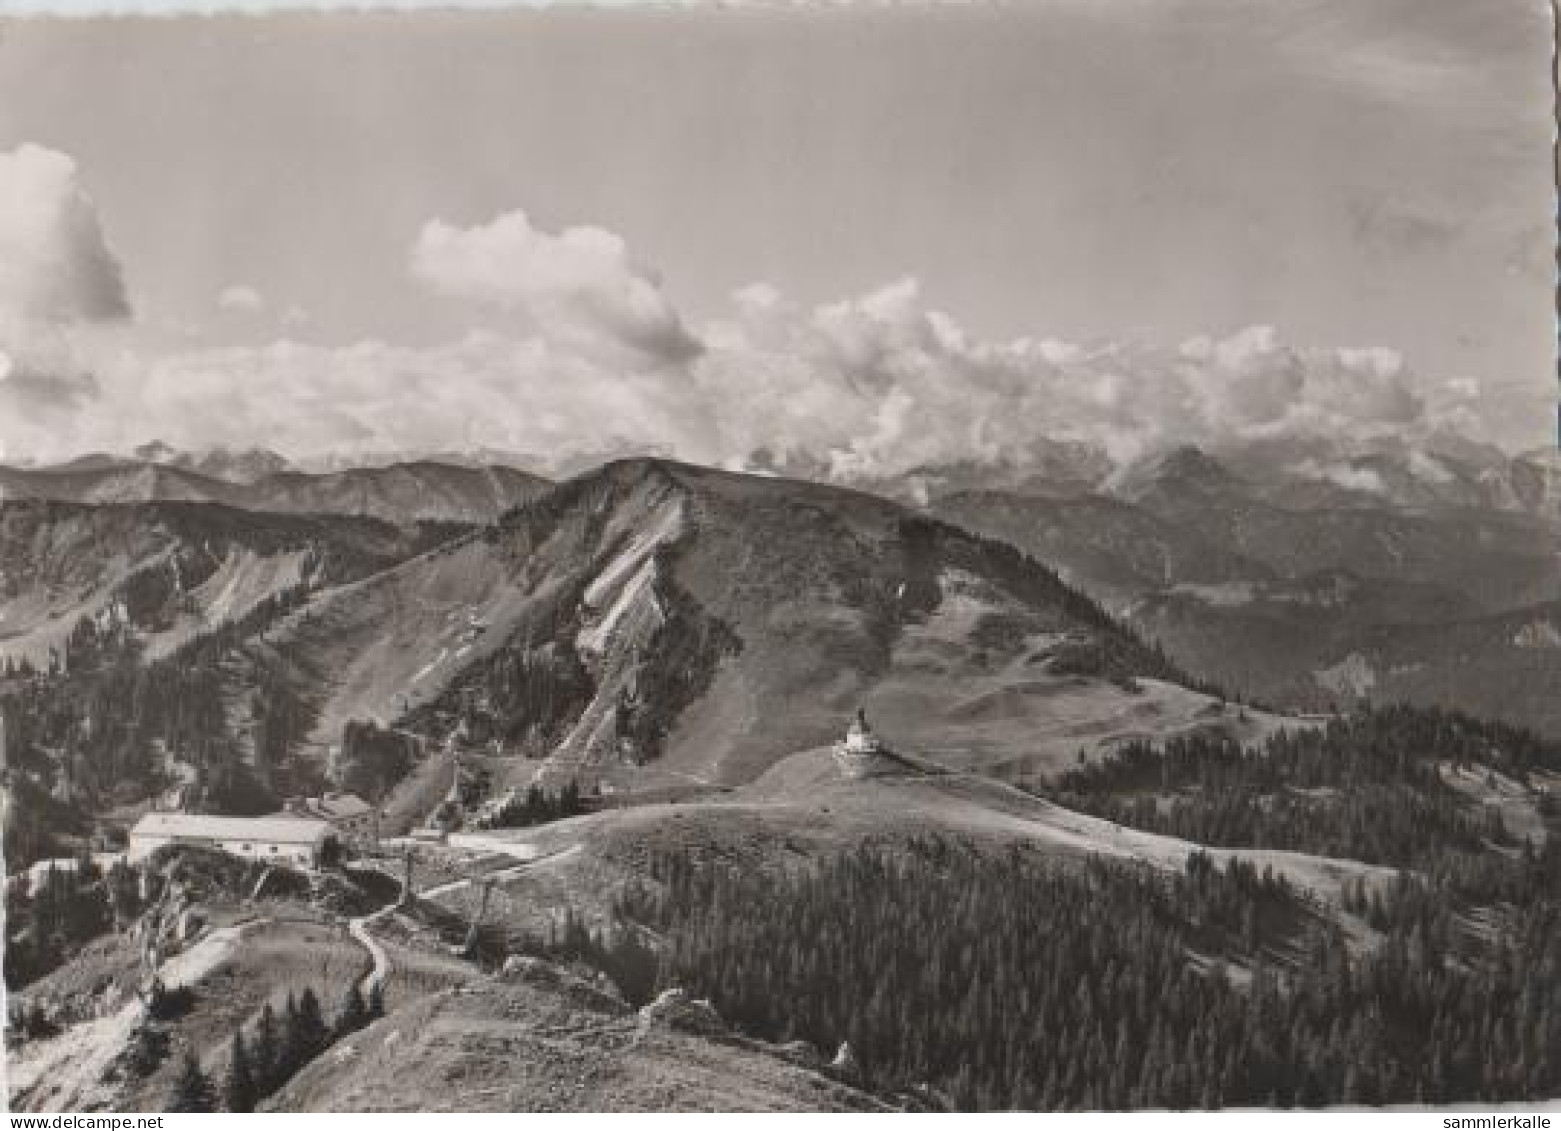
[(1306, 594)]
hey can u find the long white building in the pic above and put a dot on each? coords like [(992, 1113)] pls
[(283, 840)]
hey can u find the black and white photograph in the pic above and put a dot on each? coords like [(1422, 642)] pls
[(877, 557)]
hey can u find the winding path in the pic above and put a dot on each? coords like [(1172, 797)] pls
[(503, 874), (66, 1073), (359, 927)]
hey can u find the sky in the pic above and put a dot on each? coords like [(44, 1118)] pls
[(875, 236)]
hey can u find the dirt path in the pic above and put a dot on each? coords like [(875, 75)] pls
[(502, 874), (359, 928), (66, 1073)]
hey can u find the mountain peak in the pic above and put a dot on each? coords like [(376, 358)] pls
[(1182, 468), (248, 465), (1191, 462), (156, 451)]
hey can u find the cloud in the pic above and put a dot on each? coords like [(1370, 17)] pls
[(41, 398), (59, 286), (1391, 225), (482, 390), (241, 299), (579, 287), (593, 356), (881, 384), (54, 263), (875, 385), (37, 409)]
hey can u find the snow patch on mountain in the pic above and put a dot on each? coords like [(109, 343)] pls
[(1350, 477), (1352, 676), (1537, 634), (1227, 595)]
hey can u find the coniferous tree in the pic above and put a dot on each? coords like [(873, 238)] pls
[(193, 1090), (354, 1013), (1008, 980), (266, 1054), (146, 1050), (241, 1090), (290, 1056), (307, 1033)]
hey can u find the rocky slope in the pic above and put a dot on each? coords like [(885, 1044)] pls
[(659, 621), (168, 571), (541, 1039)]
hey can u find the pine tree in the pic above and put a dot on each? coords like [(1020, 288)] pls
[(289, 1057), (146, 1050), (266, 1058), (307, 1033), (241, 1090), (193, 1090), (354, 1012)]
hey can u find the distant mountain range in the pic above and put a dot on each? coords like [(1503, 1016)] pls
[(1272, 578), (263, 481), (1393, 475), (1304, 587)]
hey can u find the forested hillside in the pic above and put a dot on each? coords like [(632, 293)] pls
[(1013, 982), (1408, 787)]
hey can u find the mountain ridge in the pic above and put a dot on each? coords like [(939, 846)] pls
[(405, 493)]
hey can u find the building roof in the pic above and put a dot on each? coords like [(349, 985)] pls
[(277, 830), (334, 806)]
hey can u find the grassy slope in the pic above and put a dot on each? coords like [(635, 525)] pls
[(804, 808), (518, 1047)]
